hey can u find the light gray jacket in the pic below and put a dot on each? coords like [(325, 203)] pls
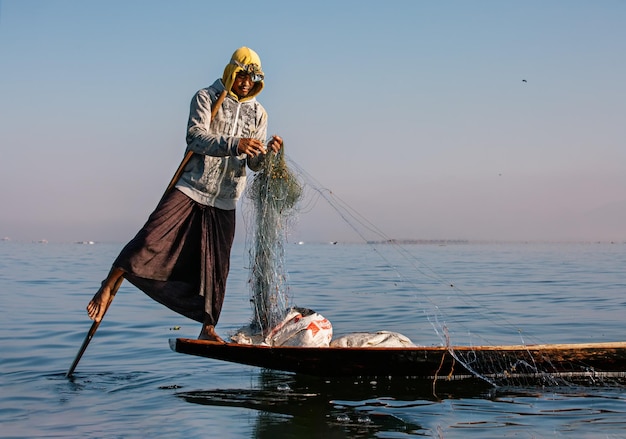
[(216, 174)]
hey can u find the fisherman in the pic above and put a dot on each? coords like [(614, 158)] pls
[(181, 256)]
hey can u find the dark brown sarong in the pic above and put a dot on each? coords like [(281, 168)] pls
[(181, 256)]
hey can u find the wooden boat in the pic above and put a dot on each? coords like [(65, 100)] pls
[(590, 360)]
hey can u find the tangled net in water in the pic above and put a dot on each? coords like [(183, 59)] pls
[(274, 193)]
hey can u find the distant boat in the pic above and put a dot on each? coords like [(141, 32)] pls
[(42, 241), (6, 238), (86, 242)]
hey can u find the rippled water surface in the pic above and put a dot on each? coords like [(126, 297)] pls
[(130, 384)]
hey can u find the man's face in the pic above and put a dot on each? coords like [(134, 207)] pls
[(242, 85)]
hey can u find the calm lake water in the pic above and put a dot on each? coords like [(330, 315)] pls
[(130, 384)]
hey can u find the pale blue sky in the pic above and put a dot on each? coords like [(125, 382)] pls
[(415, 113)]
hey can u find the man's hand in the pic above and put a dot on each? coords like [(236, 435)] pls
[(254, 147), (251, 147), (276, 143)]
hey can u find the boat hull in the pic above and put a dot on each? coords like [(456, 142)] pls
[(591, 359)]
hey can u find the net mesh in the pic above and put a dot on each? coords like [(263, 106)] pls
[(273, 195), (282, 190)]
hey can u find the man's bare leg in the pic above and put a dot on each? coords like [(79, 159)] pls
[(208, 333), (98, 305)]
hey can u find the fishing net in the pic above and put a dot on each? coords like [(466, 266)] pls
[(477, 341), (273, 195)]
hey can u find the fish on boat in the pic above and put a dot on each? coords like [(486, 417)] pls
[(427, 362)]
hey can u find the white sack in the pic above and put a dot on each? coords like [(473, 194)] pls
[(372, 339), (301, 327)]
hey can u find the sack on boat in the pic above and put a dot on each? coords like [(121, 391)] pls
[(301, 327), (372, 339)]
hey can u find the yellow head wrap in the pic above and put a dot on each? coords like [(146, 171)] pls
[(243, 59)]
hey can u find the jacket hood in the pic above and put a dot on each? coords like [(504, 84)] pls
[(246, 59)]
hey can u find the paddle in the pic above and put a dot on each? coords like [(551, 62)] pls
[(93, 328), (118, 282)]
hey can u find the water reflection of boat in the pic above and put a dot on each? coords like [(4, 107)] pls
[(303, 406)]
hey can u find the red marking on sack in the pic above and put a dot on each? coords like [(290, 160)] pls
[(315, 326), (324, 324)]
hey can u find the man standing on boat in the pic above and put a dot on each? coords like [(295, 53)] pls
[(181, 256)]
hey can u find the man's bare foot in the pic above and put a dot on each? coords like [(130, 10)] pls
[(98, 305), (208, 333)]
